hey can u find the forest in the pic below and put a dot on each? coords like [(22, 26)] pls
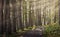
[(20, 18)]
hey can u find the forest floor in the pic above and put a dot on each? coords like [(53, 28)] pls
[(4, 35)]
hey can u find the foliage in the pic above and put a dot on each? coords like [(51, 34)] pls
[(52, 30), (27, 29)]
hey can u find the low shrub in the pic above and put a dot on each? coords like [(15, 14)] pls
[(52, 30)]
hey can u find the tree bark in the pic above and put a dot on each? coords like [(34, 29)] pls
[(1, 16)]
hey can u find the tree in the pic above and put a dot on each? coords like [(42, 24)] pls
[(1, 16), (59, 12), (7, 18)]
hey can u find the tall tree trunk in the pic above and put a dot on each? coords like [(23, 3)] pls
[(55, 18), (13, 20), (7, 19), (59, 12), (1, 16), (21, 25), (39, 17), (30, 17), (4, 16)]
